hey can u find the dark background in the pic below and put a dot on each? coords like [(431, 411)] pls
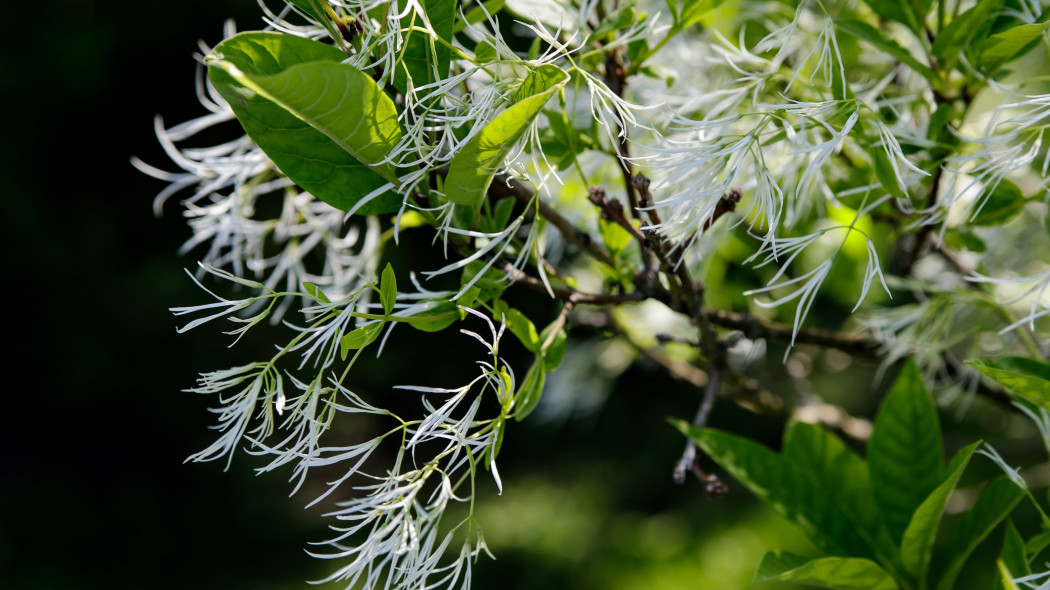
[(93, 490)]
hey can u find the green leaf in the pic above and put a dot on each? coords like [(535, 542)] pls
[(359, 338), (323, 123), (521, 326), (904, 453), (423, 55), (477, 14), (1005, 201), (693, 11), (1004, 576), (621, 19), (615, 237), (995, 502), (1003, 47), (1036, 544), (388, 289), (437, 318), (900, 11), (844, 475), (315, 292), (1013, 553), (960, 32), (917, 545), (829, 572), (886, 175), (554, 347), (881, 40), (1029, 379), (531, 389), (478, 161), (788, 489)]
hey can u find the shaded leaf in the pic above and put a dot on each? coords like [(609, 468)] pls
[(961, 31), (842, 573), (1013, 553), (881, 40), (999, 206), (777, 481), (531, 389), (844, 474), (917, 545), (995, 502), (426, 60), (904, 453)]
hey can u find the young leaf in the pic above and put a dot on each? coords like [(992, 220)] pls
[(995, 502), (1029, 379), (901, 11), (840, 573), (1003, 47), (388, 289), (315, 292), (788, 489), (917, 544), (359, 338), (844, 475), (478, 161), (904, 453), (323, 123), (554, 347)]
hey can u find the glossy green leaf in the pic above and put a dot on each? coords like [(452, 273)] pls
[(1029, 379), (917, 545), (521, 326), (960, 32), (881, 40), (388, 289), (1004, 202), (530, 390), (426, 60), (840, 573), (325, 124), (995, 502), (437, 318), (904, 453), (359, 338), (787, 488), (1007, 45), (844, 475), (478, 161)]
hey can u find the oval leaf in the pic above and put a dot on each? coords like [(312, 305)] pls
[(324, 124)]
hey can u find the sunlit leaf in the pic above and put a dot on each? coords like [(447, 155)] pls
[(324, 124)]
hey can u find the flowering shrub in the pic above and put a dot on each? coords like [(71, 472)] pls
[(695, 178)]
